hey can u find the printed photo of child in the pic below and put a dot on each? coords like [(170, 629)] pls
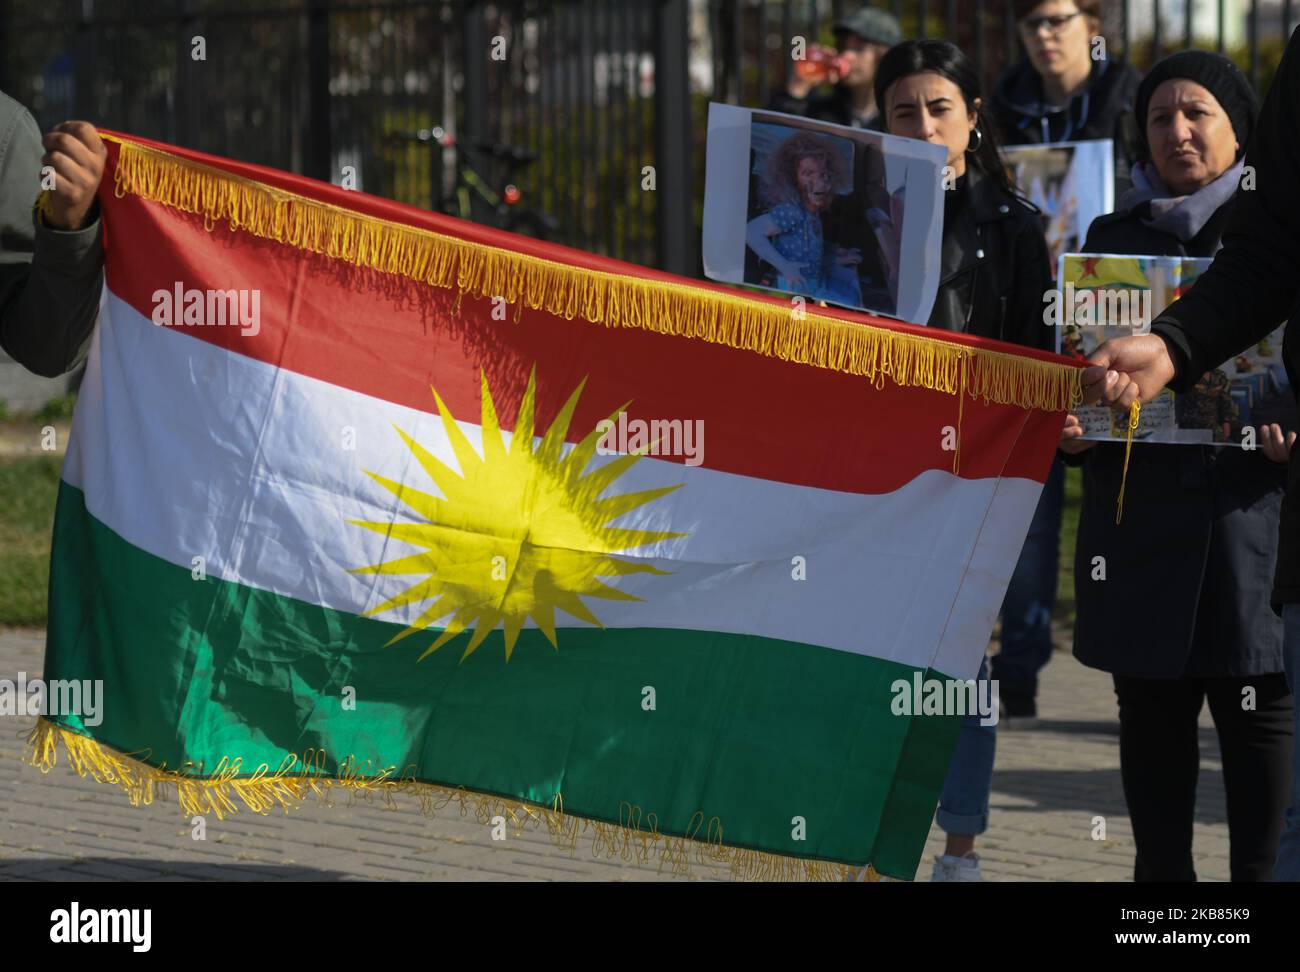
[(835, 215), (799, 180)]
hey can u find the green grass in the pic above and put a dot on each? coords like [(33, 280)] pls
[(57, 409), (29, 486)]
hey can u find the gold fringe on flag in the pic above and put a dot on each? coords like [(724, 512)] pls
[(614, 300), (635, 838)]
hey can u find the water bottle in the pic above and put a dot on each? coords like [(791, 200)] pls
[(820, 63)]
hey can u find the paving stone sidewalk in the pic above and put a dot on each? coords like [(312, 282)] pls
[(1049, 785)]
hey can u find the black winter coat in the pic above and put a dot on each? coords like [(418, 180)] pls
[(995, 266), (1104, 110), (1188, 572), (1254, 283)]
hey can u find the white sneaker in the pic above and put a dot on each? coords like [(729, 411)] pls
[(949, 868)]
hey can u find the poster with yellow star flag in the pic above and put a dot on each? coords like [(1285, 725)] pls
[(365, 499), (1105, 295)]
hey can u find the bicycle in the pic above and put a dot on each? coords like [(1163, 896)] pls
[(474, 197)]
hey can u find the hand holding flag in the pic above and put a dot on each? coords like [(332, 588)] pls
[(1128, 369), (76, 153)]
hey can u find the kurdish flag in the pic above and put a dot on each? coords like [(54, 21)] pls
[(359, 496)]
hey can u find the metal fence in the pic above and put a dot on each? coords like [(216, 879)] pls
[(328, 88), (750, 39), (596, 90)]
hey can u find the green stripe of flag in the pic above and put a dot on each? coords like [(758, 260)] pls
[(755, 732)]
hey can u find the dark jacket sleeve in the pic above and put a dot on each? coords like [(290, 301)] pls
[(1033, 281), (1032, 285), (1250, 288), (49, 280), (1094, 242), (1126, 137)]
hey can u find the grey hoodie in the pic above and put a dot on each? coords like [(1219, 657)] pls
[(50, 280)]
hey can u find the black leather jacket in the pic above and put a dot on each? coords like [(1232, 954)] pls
[(996, 270)]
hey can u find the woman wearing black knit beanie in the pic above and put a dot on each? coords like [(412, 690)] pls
[(1183, 613), (1223, 81)]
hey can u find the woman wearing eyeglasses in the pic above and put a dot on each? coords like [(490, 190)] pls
[(1064, 90)]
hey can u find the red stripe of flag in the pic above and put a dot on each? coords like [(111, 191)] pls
[(391, 338)]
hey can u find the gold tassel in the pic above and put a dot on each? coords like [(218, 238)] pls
[(635, 838), (614, 300), (1134, 411), (43, 205)]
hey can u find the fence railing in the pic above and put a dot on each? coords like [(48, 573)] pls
[(597, 91)]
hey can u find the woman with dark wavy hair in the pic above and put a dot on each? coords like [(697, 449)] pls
[(799, 185), (995, 276)]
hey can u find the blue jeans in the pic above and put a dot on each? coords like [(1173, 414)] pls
[(1031, 595), (964, 802), (1287, 867)]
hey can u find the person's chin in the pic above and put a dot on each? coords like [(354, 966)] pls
[(1186, 173), (1048, 65)]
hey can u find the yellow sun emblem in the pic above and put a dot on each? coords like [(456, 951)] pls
[(520, 532)]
